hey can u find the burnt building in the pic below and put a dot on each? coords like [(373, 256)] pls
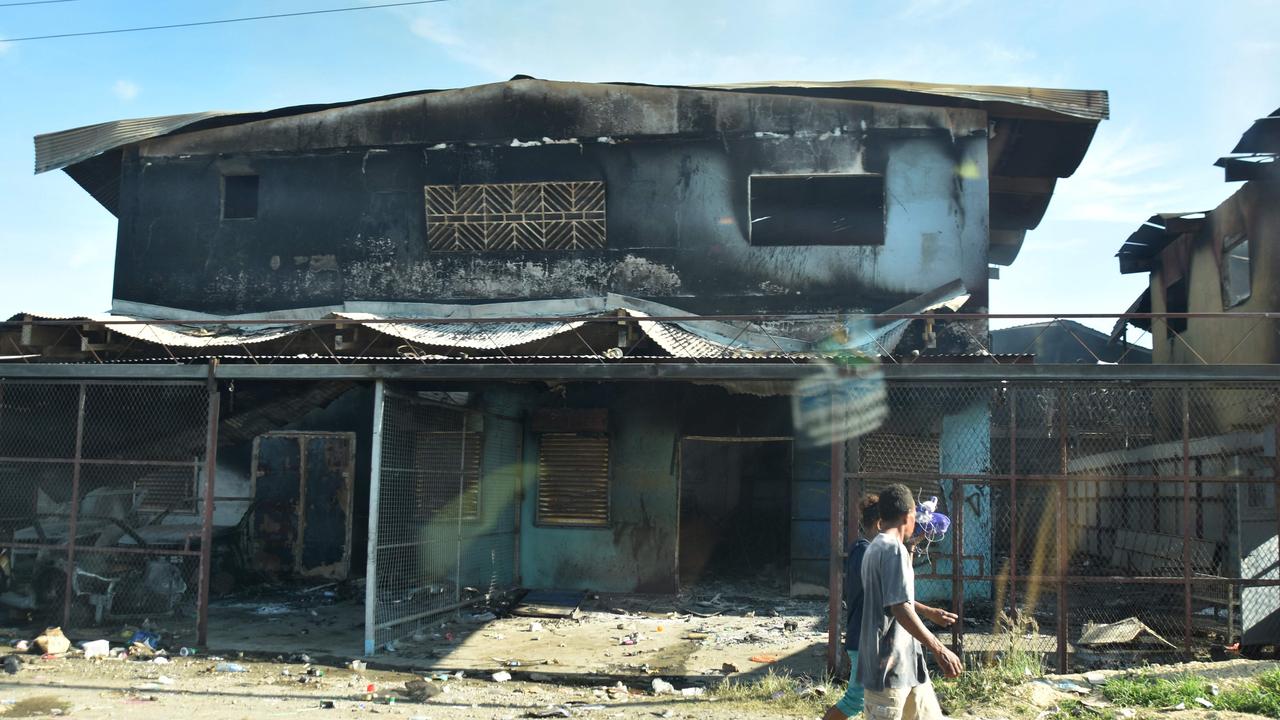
[(602, 300)]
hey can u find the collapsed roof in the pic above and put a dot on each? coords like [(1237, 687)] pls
[(1036, 135)]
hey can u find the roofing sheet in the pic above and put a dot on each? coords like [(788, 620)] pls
[(62, 148)]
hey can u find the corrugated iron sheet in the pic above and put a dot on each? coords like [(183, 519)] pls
[(1083, 104), (60, 149)]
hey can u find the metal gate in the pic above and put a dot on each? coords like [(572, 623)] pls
[(443, 510), (105, 503)]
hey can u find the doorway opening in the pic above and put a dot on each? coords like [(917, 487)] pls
[(735, 509)]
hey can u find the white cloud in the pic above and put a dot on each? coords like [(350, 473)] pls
[(125, 90), (435, 32), (1123, 179), (931, 9)]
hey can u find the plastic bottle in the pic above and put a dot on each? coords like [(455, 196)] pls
[(230, 667), (187, 652)]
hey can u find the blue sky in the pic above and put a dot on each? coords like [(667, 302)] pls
[(1186, 79)]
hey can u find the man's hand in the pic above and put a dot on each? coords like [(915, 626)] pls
[(937, 616), (948, 661)]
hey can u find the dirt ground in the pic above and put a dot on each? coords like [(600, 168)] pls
[(612, 637)]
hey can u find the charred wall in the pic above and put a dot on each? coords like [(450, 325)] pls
[(349, 224)]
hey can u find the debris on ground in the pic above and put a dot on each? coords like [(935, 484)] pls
[(53, 642), (1130, 631)]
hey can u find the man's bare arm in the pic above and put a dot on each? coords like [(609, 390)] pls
[(937, 616), (905, 613)]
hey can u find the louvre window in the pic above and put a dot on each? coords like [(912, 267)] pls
[(1236, 283), (817, 209), (447, 473), (515, 216), (573, 480)]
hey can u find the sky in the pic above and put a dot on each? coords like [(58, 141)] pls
[(1185, 80)]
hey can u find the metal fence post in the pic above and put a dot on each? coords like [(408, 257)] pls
[(206, 522), (836, 564), (1013, 498), (957, 564), (375, 486), (1186, 518), (1060, 526), (67, 597)]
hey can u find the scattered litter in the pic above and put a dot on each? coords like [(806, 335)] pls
[(22, 646), (97, 648), (357, 665), (693, 691), (150, 639), (1068, 686), (229, 667), (1127, 713), (535, 627), (162, 660), (1204, 702), (12, 664), (1214, 690), (501, 676), (550, 712), (53, 642), (662, 687), (790, 626), (1095, 678), (274, 609), (763, 659), (550, 603), (484, 617), (326, 704), (1129, 630), (1173, 708), (729, 668), (421, 690), (163, 680)]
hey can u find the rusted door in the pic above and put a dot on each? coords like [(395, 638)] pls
[(302, 503)]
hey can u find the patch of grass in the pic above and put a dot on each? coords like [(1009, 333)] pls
[(779, 692), (1257, 696), (985, 683)]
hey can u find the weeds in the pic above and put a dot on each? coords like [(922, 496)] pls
[(1258, 696), (984, 684), (779, 692)]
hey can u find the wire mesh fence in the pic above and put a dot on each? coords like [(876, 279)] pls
[(101, 503), (1092, 522), (445, 518)]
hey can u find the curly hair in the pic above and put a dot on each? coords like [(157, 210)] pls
[(869, 506)]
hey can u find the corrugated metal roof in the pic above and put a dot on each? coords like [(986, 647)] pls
[(60, 149), (1083, 104), (1153, 236)]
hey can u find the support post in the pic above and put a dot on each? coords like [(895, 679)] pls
[(1186, 519), (206, 516), (957, 565), (375, 485), (836, 524), (67, 596), (1060, 525), (1013, 498)]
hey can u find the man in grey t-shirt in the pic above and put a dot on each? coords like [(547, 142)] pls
[(891, 650)]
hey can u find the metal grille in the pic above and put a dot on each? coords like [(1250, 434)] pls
[(443, 515), (573, 479), (516, 216), (102, 500), (1115, 521)]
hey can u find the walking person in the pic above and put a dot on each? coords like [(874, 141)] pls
[(891, 665), (868, 528)]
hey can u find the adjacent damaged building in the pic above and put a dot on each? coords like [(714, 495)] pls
[(591, 306)]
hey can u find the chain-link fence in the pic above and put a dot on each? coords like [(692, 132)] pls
[(102, 503), (1095, 523), (446, 513)]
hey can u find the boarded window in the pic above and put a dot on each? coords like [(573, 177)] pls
[(516, 216), (573, 479), (817, 209), (1236, 284), (447, 473), (239, 197)]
